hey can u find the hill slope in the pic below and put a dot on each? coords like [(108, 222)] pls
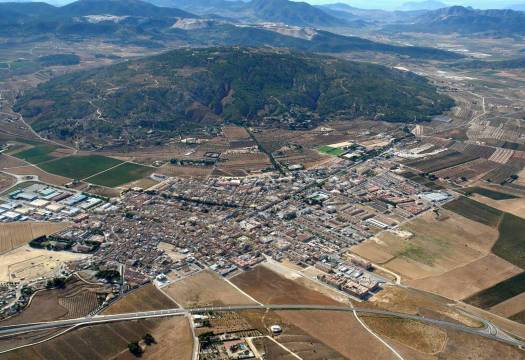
[(187, 89)]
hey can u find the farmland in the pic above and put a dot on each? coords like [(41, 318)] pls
[(475, 211), (75, 300), (444, 160), (492, 194), (37, 154), (510, 245), (13, 235), (269, 287), (428, 252), (110, 341), (205, 288), (80, 167), (499, 292), (143, 299), (122, 174)]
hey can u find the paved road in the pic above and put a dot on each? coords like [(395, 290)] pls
[(488, 330)]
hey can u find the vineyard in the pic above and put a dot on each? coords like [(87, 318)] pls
[(13, 235)]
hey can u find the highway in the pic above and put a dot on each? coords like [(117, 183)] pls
[(488, 330)]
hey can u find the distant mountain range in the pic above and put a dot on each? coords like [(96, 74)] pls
[(463, 20), (282, 11), (140, 23), (189, 89)]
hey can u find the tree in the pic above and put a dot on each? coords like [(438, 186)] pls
[(149, 339), (58, 283), (135, 348)]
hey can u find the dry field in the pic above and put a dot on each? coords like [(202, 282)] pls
[(6, 181), (411, 301), (205, 288), (510, 306), (443, 251), (145, 298), (31, 264), (109, 341), (42, 175), (270, 350), (13, 235), (185, 171), (75, 300), (513, 206), (234, 133), (421, 337), (269, 287), (7, 162), (466, 280)]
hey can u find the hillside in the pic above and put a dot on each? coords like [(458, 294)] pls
[(280, 11), (462, 20), (185, 90)]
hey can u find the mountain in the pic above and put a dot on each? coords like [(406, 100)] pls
[(119, 8), (423, 5), (292, 13), (135, 22), (466, 21), (281, 11), (185, 90)]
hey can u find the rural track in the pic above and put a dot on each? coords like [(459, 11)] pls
[(488, 330)]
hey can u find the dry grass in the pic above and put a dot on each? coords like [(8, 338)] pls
[(418, 336), (510, 306), (13, 235), (205, 288), (42, 175)]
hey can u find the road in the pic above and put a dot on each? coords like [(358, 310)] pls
[(488, 330)]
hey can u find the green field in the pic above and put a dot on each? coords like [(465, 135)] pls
[(511, 241), (331, 150), (37, 154), (495, 195), (80, 167), (122, 174), (499, 292), (475, 211)]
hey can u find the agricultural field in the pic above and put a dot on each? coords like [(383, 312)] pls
[(13, 235), (6, 181), (269, 287), (122, 174), (145, 298), (498, 293), (110, 341), (492, 194), (205, 288), (37, 154), (510, 307), (80, 167), (437, 245), (444, 160), (75, 300), (475, 211), (510, 245)]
